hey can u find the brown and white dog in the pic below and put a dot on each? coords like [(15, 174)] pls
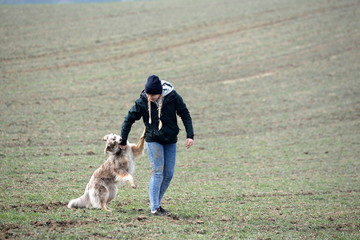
[(119, 167)]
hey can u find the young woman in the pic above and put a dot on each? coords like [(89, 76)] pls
[(158, 106)]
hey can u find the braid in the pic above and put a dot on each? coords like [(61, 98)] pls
[(159, 111), (149, 108)]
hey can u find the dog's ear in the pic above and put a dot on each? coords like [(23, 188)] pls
[(106, 137)]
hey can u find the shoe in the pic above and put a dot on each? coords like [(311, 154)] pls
[(163, 211), (160, 212)]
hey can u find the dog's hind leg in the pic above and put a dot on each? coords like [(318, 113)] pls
[(99, 196), (103, 205)]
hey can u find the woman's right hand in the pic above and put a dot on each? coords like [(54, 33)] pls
[(123, 147)]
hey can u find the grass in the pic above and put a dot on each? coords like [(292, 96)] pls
[(272, 88)]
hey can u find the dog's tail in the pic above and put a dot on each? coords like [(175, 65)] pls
[(81, 202), (139, 148), (143, 135)]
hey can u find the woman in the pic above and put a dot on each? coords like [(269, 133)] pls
[(158, 105)]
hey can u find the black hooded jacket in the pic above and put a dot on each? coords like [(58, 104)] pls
[(172, 106)]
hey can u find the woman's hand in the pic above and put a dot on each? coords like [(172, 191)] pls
[(189, 142)]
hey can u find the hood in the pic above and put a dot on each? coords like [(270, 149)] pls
[(167, 88)]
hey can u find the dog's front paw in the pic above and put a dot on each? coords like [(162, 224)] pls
[(134, 186)]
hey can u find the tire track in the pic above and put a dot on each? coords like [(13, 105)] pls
[(128, 41), (184, 43), (262, 195)]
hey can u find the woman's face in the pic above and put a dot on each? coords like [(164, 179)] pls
[(153, 97)]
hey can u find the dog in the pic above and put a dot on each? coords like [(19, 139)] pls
[(118, 168)]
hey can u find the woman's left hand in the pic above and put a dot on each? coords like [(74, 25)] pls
[(189, 142)]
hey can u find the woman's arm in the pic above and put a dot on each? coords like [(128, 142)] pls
[(133, 115)]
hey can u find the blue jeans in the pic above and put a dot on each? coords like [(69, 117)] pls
[(162, 159)]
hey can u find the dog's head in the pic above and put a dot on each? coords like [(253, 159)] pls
[(112, 144)]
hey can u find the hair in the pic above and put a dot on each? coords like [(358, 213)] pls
[(159, 111)]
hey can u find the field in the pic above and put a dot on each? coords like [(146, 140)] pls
[(273, 88)]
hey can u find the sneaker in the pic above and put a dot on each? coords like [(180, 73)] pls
[(163, 211), (160, 212)]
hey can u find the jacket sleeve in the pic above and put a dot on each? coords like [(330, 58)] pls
[(184, 114), (133, 115)]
